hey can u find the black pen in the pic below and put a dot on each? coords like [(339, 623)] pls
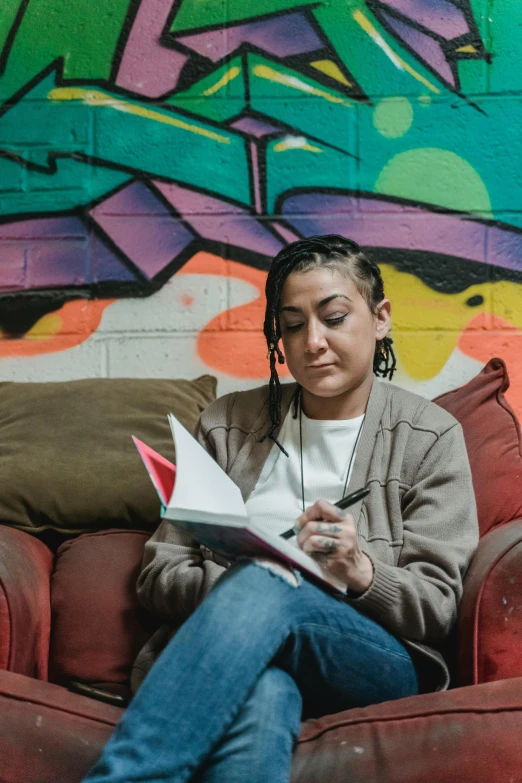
[(345, 502)]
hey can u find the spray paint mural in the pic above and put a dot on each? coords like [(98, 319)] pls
[(155, 155)]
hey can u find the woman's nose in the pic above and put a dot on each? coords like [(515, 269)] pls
[(315, 339)]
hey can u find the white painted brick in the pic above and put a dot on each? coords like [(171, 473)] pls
[(186, 303), (170, 356), (166, 356), (83, 361)]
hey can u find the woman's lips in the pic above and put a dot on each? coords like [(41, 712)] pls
[(319, 366)]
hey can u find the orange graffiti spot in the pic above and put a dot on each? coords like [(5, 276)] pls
[(233, 341), (187, 300), (487, 336), (69, 326)]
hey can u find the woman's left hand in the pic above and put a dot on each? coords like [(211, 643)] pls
[(329, 536)]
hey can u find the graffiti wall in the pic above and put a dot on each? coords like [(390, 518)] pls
[(155, 154)]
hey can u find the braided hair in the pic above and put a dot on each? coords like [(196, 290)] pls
[(330, 251)]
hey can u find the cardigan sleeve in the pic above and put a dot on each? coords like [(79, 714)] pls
[(418, 599), (175, 577)]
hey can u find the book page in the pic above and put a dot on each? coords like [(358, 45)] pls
[(202, 492)]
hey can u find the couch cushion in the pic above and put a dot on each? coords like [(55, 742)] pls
[(67, 459), (466, 735), (492, 435), (98, 625), (48, 735)]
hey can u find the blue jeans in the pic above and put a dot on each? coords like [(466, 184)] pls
[(223, 702)]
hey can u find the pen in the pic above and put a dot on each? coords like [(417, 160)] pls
[(345, 502)]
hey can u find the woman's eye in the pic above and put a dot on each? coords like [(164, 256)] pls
[(293, 327), (335, 321)]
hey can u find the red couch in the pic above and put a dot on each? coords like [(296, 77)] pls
[(68, 612), (74, 616)]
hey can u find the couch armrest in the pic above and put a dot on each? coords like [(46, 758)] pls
[(25, 605), (48, 734), (490, 617)]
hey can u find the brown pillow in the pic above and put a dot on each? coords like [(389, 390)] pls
[(67, 460), (492, 435)]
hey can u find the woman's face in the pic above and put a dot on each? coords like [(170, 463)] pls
[(329, 332)]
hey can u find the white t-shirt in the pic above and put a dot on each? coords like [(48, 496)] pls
[(276, 501)]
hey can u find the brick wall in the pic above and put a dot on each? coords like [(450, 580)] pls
[(155, 155)]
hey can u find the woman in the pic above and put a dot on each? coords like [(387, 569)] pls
[(224, 701)]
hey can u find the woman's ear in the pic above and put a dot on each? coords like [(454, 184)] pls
[(383, 319)]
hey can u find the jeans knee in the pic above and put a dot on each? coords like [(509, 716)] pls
[(289, 575), (254, 597), (274, 684), (276, 699)]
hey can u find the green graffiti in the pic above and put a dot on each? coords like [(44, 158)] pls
[(435, 176), (357, 36), (304, 163), (393, 117), (66, 184), (82, 32), (130, 134), (190, 15), (279, 93)]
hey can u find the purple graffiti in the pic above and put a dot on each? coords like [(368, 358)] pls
[(149, 67), (281, 36), (151, 226), (219, 221), (426, 48), (440, 16), (55, 252), (143, 228), (375, 223), (254, 127), (150, 229)]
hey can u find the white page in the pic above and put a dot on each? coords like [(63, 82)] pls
[(202, 491)]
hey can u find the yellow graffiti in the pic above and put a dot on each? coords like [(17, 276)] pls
[(468, 49), (47, 326), (332, 70), (399, 63), (264, 72), (295, 143), (427, 324), (232, 73), (99, 98)]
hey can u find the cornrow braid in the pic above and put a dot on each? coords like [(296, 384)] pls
[(304, 254)]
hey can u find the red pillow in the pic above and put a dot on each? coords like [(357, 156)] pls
[(98, 625), (492, 435)]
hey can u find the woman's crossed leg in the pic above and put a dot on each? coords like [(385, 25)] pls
[(227, 691)]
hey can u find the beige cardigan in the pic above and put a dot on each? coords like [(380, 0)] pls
[(418, 524)]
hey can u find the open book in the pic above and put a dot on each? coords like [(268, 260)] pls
[(199, 497)]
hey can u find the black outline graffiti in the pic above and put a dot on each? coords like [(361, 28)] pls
[(196, 67)]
